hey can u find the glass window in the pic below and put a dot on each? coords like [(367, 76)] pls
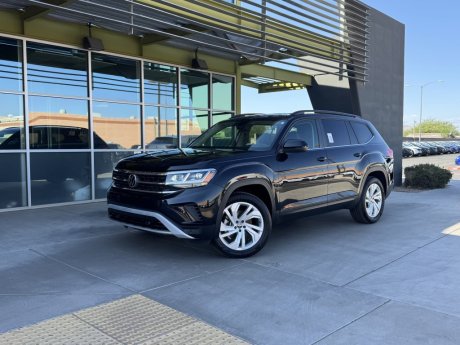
[(306, 131), (222, 92), (57, 70), (160, 84), (60, 177), (220, 116), (58, 123), (250, 135), (336, 132), (160, 127), (58, 137), (193, 124), (13, 185), (194, 89), (10, 65), (362, 131), (104, 162), (115, 78), (11, 122), (116, 125)]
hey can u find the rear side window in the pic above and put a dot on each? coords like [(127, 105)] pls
[(362, 131), (336, 132)]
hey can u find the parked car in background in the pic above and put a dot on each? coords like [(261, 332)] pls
[(430, 147), (411, 150), (162, 143), (57, 139), (6, 134)]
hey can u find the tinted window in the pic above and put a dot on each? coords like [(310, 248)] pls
[(160, 84), (116, 78), (159, 122), (305, 131), (222, 92), (336, 132), (56, 137), (194, 89), (362, 131), (218, 116), (57, 70), (11, 138), (193, 124), (65, 117), (13, 179), (11, 122), (10, 65), (118, 124)]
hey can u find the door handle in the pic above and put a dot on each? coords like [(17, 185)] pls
[(322, 159), (358, 154)]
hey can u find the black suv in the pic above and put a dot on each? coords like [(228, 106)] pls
[(244, 174)]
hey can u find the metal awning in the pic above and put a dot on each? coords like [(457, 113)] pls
[(329, 36), (272, 79)]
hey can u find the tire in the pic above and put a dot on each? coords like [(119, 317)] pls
[(363, 212), (233, 234)]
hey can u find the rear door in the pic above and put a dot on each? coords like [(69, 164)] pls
[(343, 154), (303, 182)]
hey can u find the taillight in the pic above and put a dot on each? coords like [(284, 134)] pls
[(390, 153)]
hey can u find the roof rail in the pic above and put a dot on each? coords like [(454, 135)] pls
[(264, 114), (249, 114), (306, 112)]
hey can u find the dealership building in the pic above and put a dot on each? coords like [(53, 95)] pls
[(85, 83)]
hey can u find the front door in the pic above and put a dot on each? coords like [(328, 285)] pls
[(302, 179)]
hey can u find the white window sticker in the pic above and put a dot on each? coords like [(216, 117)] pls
[(330, 138)]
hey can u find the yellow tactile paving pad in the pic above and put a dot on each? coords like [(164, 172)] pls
[(66, 329), (132, 320)]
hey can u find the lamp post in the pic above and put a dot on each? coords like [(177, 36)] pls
[(421, 106)]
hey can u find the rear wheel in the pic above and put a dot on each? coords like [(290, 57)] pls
[(369, 209), (244, 227)]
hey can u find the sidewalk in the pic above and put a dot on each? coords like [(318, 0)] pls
[(320, 280)]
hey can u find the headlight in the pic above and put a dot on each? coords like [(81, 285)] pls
[(190, 178)]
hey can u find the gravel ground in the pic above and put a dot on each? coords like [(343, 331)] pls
[(445, 161)]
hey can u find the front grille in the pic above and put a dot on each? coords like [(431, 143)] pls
[(135, 219), (145, 181)]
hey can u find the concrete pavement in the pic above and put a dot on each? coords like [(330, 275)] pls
[(322, 279)]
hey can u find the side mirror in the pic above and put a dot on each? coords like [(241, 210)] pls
[(295, 145)]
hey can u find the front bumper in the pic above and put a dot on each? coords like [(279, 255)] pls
[(191, 213), (145, 220)]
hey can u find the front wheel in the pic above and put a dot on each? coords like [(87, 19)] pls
[(244, 227), (369, 209)]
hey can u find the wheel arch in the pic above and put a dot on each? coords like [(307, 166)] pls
[(378, 173), (258, 186)]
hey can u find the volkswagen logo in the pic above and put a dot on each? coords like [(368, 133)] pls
[(132, 181)]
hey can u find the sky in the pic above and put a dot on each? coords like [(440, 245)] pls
[(432, 53)]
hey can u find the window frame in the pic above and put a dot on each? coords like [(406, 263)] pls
[(324, 136), (367, 126), (319, 130)]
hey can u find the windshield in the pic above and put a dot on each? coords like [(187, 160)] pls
[(246, 134)]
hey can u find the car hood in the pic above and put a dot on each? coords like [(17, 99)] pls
[(184, 159)]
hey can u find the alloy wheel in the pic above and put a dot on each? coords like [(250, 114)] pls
[(241, 227), (374, 200)]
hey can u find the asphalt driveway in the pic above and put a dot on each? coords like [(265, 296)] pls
[(322, 279)]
